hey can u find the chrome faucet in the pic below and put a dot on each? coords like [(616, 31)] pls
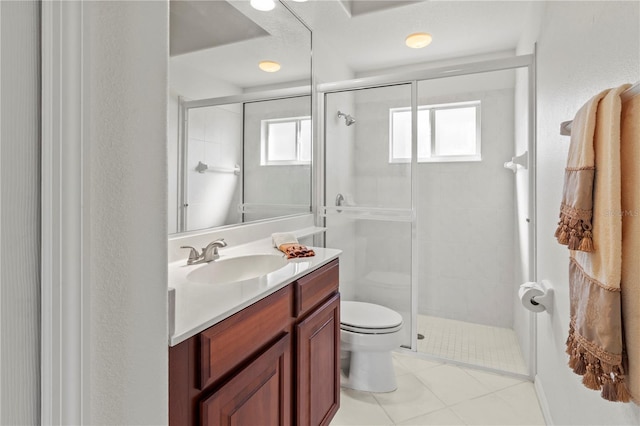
[(209, 253)]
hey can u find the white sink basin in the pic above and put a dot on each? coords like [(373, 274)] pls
[(239, 268)]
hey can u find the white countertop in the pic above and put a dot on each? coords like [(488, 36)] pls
[(199, 306)]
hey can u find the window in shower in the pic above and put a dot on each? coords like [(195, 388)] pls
[(286, 141), (446, 132)]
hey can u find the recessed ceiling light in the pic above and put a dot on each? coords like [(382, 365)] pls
[(418, 40), (263, 5), (269, 66)]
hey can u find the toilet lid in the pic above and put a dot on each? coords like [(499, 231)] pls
[(367, 317)]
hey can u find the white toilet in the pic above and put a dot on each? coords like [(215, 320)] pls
[(368, 334)]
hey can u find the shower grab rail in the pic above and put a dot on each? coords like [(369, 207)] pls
[(202, 167), (368, 213), (269, 208)]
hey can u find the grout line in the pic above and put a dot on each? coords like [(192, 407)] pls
[(462, 423), (451, 408), (393, 422), (423, 414)]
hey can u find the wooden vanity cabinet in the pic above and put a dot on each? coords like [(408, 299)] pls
[(318, 364), (275, 362), (260, 394)]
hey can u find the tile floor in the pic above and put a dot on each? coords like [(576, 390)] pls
[(482, 345), (433, 393)]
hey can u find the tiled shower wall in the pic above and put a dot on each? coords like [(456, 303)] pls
[(215, 138), (339, 172), (383, 259), (465, 225)]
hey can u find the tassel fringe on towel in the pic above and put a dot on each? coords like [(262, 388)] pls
[(597, 373), (574, 232)]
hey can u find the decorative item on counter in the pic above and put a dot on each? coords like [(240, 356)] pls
[(287, 243)]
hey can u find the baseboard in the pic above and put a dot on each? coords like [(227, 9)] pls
[(542, 399)]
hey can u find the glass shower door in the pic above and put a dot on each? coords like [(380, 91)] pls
[(368, 197), (472, 220)]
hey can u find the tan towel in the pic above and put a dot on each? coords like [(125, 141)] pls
[(574, 228), (630, 161), (287, 243), (595, 342)]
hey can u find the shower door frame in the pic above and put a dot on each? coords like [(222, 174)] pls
[(527, 62)]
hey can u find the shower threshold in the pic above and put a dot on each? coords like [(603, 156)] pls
[(485, 346)]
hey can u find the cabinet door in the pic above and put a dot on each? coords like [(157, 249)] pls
[(318, 373), (260, 394)]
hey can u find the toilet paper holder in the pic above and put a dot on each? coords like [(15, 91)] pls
[(541, 302)]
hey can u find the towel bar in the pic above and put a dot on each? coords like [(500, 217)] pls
[(202, 167), (565, 126)]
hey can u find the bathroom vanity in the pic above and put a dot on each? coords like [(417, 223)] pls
[(274, 362)]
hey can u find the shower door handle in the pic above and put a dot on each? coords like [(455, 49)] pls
[(339, 201)]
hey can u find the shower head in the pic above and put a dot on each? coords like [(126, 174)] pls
[(348, 120)]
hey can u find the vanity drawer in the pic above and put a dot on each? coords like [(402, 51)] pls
[(238, 338), (313, 289)]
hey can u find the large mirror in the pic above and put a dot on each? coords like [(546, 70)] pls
[(239, 114)]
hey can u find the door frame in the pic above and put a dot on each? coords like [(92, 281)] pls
[(65, 280)]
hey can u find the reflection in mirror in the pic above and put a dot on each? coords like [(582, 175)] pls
[(245, 162), (239, 138), (212, 176), (277, 157)]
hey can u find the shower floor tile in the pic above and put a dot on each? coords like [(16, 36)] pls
[(482, 345)]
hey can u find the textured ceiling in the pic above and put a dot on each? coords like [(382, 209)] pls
[(375, 40), (197, 25), (234, 59), (360, 7), (227, 39)]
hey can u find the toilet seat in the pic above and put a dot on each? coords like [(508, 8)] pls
[(367, 318)]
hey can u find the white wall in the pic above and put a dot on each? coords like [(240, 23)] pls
[(193, 83), (327, 66), (440, 63), (126, 131), (20, 213), (583, 48)]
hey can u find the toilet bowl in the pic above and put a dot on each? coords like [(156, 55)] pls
[(368, 334)]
